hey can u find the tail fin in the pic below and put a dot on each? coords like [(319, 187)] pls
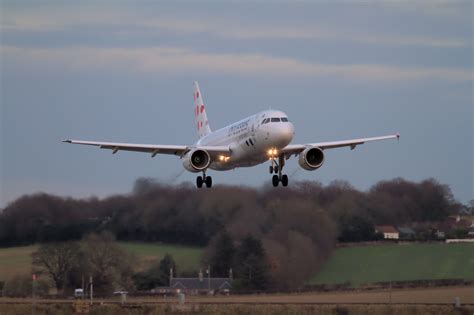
[(200, 116)]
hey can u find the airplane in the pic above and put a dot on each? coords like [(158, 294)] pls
[(263, 137)]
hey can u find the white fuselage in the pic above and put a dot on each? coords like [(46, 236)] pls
[(250, 139)]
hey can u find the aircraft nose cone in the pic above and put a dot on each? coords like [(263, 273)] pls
[(287, 132)]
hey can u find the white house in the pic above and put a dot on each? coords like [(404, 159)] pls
[(388, 231)]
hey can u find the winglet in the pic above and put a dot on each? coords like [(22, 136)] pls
[(67, 141)]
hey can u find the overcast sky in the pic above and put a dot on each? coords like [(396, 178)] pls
[(123, 71)]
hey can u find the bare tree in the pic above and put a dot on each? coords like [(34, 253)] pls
[(57, 260), (110, 265)]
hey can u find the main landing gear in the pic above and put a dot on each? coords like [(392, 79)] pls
[(277, 168), (200, 180)]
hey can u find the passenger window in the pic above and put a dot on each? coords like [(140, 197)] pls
[(275, 119), (284, 119)]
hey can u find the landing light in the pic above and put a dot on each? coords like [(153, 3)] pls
[(223, 158), (272, 152)]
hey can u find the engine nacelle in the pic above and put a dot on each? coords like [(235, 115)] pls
[(311, 158), (196, 160)]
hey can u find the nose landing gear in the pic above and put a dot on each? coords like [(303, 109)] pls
[(200, 180), (273, 169), (277, 169)]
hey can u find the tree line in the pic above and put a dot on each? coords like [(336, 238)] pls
[(181, 214), (296, 226)]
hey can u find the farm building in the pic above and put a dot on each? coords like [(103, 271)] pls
[(201, 284), (453, 223), (471, 230), (406, 233), (388, 231)]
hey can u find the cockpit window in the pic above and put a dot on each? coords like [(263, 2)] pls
[(284, 119), (267, 121), (275, 119)]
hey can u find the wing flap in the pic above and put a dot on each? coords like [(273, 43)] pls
[(154, 149), (297, 148), (147, 148), (352, 143)]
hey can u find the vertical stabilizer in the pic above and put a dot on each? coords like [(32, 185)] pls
[(200, 117)]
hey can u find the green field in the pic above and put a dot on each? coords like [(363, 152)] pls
[(17, 260), (187, 258), (369, 264)]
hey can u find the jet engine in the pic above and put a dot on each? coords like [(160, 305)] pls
[(311, 158), (196, 160)]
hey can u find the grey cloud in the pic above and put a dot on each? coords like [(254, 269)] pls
[(177, 59)]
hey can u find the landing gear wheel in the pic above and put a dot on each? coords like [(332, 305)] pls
[(284, 180), (275, 168), (208, 181), (271, 169), (275, 180), (199, 182)]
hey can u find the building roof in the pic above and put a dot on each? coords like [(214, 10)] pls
[(386, 229), (405, 230), (201, 284)]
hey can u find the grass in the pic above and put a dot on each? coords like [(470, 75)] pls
[(17, 260), (232, 309), (187, 258), (369, 264)]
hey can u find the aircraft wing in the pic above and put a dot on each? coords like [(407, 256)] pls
[(153, 149), (297, 148)]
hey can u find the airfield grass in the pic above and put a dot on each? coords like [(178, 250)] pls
[(377, 263), (17, 260), (238, 309)]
